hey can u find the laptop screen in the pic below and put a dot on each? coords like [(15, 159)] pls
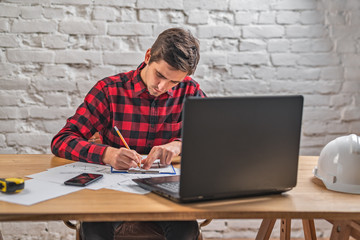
[(235, 145)]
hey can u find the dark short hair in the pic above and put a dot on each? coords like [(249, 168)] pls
[(178, 48)]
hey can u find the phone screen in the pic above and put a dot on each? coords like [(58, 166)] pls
[(83, 179)]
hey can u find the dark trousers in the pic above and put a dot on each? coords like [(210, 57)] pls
[(170, 230)]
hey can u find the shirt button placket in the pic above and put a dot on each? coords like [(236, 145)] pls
[(153, 115), (152, 129)]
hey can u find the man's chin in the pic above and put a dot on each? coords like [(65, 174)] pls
[(155, 94)]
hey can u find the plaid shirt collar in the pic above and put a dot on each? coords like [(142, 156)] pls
[(139, 85)]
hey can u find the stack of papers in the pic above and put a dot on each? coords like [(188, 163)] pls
[(50, 184)]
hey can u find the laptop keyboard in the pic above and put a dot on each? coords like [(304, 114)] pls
[(170, 186)]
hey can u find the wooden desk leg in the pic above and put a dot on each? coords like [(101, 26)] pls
[(285, 229), (355, 229), (265, 229), (1, 238), (309, 229), (341, 230)]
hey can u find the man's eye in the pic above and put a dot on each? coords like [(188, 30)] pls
[(174, 82), (159, 75)]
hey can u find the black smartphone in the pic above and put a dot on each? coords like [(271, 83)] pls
[(83, 179)]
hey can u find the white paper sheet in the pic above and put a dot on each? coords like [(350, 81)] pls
[(53, 176), (60, 176), (80, 167), (36, 191)]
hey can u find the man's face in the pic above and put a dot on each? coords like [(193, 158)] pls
[(160, 77)]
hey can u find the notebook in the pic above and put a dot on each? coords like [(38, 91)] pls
[(235, 147)]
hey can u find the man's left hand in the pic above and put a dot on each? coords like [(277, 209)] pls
[(163, 152)]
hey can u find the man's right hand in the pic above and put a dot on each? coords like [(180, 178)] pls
[(121, 158)]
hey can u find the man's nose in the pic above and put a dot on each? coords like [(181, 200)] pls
[(162, 85)]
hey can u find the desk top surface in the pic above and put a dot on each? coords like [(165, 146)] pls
[(307, 200)]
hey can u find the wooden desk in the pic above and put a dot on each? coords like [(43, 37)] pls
[(306, 201)]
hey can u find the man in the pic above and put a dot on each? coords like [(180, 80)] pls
[(146, 105)]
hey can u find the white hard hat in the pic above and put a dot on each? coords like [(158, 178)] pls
[(339, 164)]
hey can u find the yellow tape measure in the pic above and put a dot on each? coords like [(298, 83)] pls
[(11, 185)]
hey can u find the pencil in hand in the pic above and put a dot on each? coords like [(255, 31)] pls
[(125, 143)]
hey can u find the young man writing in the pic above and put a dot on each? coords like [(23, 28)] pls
[(146, 105)]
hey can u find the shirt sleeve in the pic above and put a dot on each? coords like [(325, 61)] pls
[(91, 116)]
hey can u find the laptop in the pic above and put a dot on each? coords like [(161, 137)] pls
[(235, 147)]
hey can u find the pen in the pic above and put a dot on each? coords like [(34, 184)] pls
[(124, 142)]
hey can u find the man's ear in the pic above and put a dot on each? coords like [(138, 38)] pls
[(147, 56)]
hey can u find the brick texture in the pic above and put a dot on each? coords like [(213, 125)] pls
[(52, 52)]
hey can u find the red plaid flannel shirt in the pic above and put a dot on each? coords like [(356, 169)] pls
[(123, 100)]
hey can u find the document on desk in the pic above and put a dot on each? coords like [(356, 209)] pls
[(62, 173), (80, 167), (119, 182), (36, 191)]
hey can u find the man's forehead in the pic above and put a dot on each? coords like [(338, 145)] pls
[(168, 71)]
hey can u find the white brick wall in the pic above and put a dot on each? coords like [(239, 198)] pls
[(53, 51)]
